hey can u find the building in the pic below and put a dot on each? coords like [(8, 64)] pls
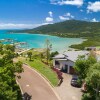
[(66, 60)]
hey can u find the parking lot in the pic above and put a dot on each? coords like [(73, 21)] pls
[(66, 91)]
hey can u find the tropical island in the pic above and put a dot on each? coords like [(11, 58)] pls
[(72, 29)]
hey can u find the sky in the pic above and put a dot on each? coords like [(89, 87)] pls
[(17, 14)]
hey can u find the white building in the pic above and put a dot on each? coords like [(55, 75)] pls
[(66, 60)]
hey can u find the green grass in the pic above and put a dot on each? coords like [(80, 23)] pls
[(43, 69)]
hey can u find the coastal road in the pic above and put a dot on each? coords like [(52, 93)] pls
[(35, 85)]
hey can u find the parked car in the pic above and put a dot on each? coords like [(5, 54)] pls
[(74, 81)]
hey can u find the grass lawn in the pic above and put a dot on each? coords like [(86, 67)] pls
[(43, 69)]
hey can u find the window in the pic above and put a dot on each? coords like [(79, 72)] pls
[(57, 63)]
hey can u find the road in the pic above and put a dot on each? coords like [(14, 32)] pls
[(35, 85)]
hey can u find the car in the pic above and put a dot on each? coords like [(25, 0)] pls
[(74, 81)]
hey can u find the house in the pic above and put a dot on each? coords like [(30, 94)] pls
[(66, 60), (97, 48), (90, 48)]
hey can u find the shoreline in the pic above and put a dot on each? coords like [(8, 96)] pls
[(83, 38)]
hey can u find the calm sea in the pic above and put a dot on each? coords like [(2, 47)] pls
[(38, 40)]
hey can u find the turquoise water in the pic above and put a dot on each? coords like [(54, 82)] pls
[(38, 40)]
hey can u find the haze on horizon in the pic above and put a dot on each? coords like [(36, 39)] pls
[(19, 14)]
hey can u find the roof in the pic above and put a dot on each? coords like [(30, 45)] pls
[(59, 56), (71, 55)]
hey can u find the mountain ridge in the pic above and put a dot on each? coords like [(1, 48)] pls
[(71, 29)]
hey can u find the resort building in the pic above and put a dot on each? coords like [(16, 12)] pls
[(66, 60)]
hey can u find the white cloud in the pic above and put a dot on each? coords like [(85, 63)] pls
[(94, 7), (67, 2), (50, 13), (49, 19), (66, 16), (19, 26), (63, 18), (94, 20)]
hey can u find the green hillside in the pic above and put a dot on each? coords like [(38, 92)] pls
[(71, 28)]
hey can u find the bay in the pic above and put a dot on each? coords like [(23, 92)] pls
[(38, 40)]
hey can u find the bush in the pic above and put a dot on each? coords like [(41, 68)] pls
[(87, 96)]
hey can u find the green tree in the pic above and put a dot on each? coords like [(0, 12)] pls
[(1, 47), (93, 81), (10, 47), (9, 90), (83, 64), (18, 67), (29, 55), (48, 48), (53, 54), (6, 92)]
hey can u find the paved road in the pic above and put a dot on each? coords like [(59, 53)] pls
[(66, 91), (32, 83)]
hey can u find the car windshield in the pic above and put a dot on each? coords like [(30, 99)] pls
[(74, 79)]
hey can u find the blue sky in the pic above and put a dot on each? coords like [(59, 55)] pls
[(33, 13)]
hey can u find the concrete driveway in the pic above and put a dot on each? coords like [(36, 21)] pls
[(35, 85), (66, 91)]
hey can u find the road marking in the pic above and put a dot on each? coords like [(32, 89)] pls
[(27, 85)]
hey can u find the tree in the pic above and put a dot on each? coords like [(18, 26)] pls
[(10, 47), (41, 56), (48, 48), (29, 54), (6, 92), (83, 64), (18, 67), (9, 90), (93, 81), (1, 47), (53, 54)]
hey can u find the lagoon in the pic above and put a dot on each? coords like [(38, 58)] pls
[(38, 40)]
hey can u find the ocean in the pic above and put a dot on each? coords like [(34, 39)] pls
[(39, 40)]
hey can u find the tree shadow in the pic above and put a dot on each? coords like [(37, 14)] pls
[(26, 96), (31, 60)]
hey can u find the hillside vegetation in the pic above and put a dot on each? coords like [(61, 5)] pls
[(71, 28)]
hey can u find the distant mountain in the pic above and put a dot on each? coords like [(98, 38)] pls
[(69, 28)]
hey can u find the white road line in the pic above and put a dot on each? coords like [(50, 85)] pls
[(27, 85)]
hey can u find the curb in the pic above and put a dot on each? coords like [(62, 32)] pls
[(19, 86), (44, 78)]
